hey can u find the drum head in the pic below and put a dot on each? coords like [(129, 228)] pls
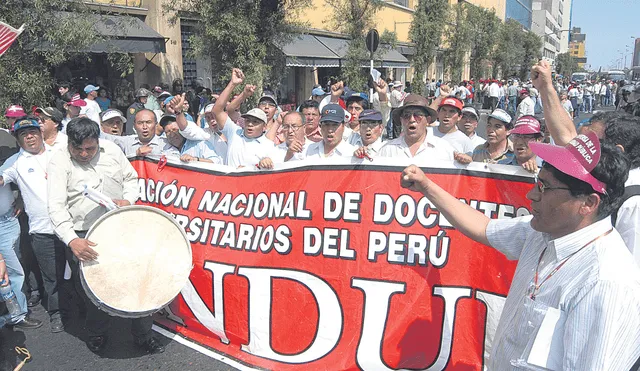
[(144, 261)]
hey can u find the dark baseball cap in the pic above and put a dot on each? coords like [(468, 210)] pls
[(52, 113), (332, 113), (370, 115)]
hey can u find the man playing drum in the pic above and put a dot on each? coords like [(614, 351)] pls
[(99, 164)]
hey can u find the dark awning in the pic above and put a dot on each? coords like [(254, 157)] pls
[(123, 34), (127, 34), (325, 51), (307, 51)]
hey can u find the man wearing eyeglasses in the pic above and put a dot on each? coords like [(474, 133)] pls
[(525, 131), (332, 129), (414, 117), (574, 301), (295, 144), (369, 141)]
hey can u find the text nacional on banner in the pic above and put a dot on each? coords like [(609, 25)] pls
[(335, 267)]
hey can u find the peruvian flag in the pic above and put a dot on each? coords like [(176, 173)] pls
[(8, 35)]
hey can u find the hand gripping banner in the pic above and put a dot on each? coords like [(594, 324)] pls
[(336, 267)]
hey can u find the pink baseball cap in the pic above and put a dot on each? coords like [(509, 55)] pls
[(76, 101), (526, 125), (14, 111), (577, 159)]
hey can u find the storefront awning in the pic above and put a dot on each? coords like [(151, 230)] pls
[(307, 51), (325, 51), (127, 34)]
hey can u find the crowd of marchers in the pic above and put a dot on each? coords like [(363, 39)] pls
[(46, 154)]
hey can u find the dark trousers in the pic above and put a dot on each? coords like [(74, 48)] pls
[(396, 126), (50, 254), (33, 280), (97, 322)]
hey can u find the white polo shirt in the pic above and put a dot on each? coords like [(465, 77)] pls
[(243, 151), (372, 149), (29, 172), (280, 152), (433, 148), (194, 132), (316, 150), (459, 140), (60, 142)]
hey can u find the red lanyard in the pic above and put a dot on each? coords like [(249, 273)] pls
[(536, 287)]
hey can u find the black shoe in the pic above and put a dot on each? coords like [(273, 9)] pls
[(152, 346), (34, 300), (56, 325), (96, 343), (28, 324)]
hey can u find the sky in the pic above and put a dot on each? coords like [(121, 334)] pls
[(609, 26)]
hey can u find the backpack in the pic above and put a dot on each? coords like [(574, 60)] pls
[(630, 191)]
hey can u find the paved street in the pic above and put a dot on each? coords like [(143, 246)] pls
[(67, 351)]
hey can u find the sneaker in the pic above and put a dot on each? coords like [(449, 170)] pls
[(152, 346), (28, 323), (56, 325)]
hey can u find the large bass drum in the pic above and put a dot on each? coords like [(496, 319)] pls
[(144, 261)]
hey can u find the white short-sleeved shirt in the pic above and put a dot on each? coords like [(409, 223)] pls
[(372, 149), (597, 290), (60, 142), (458, 140), (194, 132), (29, 173), (243, 151), (628, 221), (316, 150), (477, 140), (433, 148), (91, 110)]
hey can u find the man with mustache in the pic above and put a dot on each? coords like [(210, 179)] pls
[(498, 148), (29, 173), (295, 144), (112, 121), (417, 143)]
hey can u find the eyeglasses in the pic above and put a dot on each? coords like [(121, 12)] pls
[(419, 115), (370, 124), (291, 127), (541, 187), (266, 104)]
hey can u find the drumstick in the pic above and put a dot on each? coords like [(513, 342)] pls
[(99, 198)]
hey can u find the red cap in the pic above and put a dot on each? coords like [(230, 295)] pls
[(526, 125), (77, 101), (577, 159), (14, 111), (524, 91), (451, 101)]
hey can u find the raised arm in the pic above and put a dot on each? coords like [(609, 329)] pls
[(237, 77), (176, 107), (559, 123), (237, 101), (467, 220)]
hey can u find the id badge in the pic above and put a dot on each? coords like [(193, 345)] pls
[(544, 349)]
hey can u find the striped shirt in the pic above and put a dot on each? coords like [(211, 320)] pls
[(598, 290)]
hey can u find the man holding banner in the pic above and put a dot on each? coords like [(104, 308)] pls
[(574, 302)]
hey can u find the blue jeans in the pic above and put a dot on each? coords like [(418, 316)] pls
[(512, 105), (9, 242), (588, 103)]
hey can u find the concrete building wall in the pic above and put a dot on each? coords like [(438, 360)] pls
[(566, 25)]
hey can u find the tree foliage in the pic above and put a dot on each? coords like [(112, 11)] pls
[(242, 34), (485, 29), (509, 52), (355, 18), (426, 34), (566, 64), (50, 39), (459, 40)]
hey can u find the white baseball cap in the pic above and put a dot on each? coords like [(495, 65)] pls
[(257, 113)]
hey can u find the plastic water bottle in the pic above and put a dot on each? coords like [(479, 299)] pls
[(9, 297)]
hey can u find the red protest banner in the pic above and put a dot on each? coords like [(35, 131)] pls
[(335, 267)]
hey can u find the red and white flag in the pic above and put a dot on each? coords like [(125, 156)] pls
[(8, 35)]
